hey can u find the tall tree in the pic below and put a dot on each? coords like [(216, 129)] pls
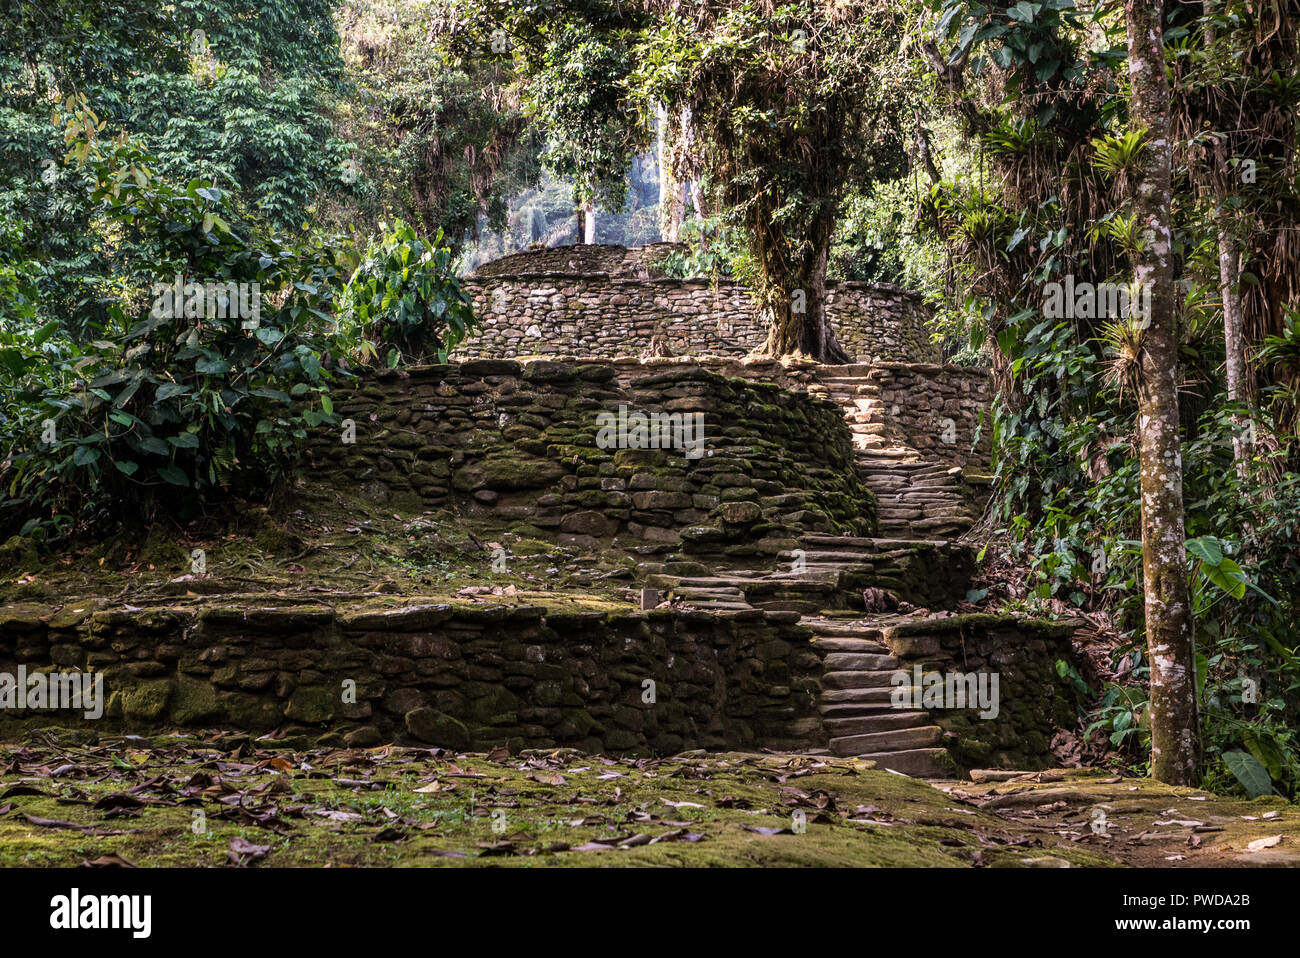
[(1175, 725), (789, 103), (441, 133)]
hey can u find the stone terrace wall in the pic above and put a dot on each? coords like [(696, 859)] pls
[(919, 399), (518, 443), (623, 261), (1032, 700), (606, 301), (462, 678)]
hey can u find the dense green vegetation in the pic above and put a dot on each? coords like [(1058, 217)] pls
[(338, 162)]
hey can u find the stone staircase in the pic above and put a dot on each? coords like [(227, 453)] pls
[(858, 682), (923, 504), (856, 703), (918, 497)]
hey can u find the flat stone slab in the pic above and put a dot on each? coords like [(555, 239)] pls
[(880, 722), (895, 740), (860, 662), (882, 678), (918, 763)]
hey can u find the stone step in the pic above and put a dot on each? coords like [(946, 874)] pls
[(918, 762), (861, 662), (880, 722), (820, 556), (881, 697), (849, 710), (897, 740), (842, 542), (821, 573), (860, 679), (710, 593), (826, 630), (852, 646)]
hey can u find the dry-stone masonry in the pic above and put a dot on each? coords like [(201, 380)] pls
[(465, 678), (610, 301), (519, 443)]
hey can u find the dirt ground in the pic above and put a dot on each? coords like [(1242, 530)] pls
[(224, 800)]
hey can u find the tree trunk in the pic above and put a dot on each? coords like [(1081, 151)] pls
[(796, 302), (1233, 339), (1175, 724), (672, 210), (1229, 277), (589, 224)]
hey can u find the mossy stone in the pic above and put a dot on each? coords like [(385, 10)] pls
[(147, 701), (438, 728), (194, 702), (310, 703)]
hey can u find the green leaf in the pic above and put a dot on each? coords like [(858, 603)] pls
[(212, 367), (1023, 11), (45, 332), (1207, 549), (186, 440), (1248, 770), (84, 455), (154, 444), (127, 467), (1227, 575), (174, 475)]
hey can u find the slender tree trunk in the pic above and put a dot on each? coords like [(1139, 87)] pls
[(668, 225), (1175, 724), (1234, 338)]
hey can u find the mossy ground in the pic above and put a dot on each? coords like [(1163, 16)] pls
[(321, 542), (140, 799)]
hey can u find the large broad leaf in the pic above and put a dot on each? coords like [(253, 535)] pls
[(1252, 775), (175, 475), (1227, 575), (1206, 549), (45, 332), (212, 367), (84, 455), (167, 390), (153, 444), (1024, 12)]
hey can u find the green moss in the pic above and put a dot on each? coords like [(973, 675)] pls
[(146, 701), (311, 704), (194, 702)]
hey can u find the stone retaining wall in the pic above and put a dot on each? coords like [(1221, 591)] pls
[(941, 410), (464, 678), (607, 301), (519, 443), (1033, 701)]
